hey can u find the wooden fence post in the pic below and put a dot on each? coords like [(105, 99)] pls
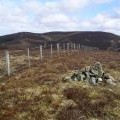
[(79, 46), (68, 47), (51, 51), (7, 62), (74, 46), (28, 52), (58, 49), (64, 47), (41, 54)]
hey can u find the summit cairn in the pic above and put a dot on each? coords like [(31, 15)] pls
[(93, 75)]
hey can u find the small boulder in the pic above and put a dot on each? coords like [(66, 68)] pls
[(110, 82), (100, 80), (93, 81)]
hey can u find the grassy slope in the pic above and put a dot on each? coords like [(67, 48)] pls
[(39, 93)]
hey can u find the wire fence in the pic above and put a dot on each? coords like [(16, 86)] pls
[(12, 61)]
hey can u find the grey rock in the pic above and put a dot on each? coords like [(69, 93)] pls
[(92, 81), (110, 82), (93, 75), (100, 80)]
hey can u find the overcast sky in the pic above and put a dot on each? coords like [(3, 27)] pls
[(59, 15)]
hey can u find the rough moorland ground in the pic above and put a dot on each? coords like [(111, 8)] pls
[(38, 93)]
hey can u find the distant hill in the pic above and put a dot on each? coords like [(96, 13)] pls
[(22, 40)]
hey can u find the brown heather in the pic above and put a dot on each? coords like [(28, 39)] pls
[(38, 93)]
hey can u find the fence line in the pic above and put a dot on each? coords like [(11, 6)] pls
[(65, 47)]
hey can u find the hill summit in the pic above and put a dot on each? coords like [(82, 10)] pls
[(22, 40)]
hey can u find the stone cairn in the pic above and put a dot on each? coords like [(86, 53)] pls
[(93, 75)]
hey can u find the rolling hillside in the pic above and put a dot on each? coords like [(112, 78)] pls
[(22, 40)]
